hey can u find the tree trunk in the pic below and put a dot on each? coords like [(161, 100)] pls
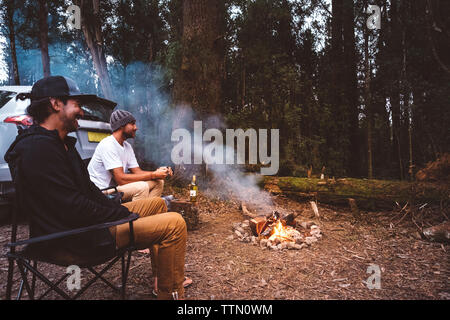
[(43, 37), (351, 86), (368, 194), (368, 103), (91, 26), (12, 39), (198, 82), (395, 89), (338, 138)]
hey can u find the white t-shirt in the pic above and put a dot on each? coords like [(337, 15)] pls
[(108, 155)]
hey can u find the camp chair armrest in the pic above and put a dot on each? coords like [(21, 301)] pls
[(132, 217), (104, 189)]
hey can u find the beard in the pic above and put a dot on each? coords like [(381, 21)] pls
[(128, 135), (70, 124)]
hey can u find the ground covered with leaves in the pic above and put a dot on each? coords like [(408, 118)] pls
[(336, 267)]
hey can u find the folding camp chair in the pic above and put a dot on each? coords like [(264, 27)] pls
[(27, 259)]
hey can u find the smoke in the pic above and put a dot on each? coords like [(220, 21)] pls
[(142, 89)]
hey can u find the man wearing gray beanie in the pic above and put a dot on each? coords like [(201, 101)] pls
[(112, 160), (114, 163)]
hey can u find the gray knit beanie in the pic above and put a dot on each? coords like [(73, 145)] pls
[(119, 118)]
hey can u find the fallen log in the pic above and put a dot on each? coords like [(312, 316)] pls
[(367, 194), (440, 233)]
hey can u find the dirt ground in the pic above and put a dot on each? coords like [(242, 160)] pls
[(336, 267)]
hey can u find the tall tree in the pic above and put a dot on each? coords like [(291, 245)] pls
[(368, 100), (351, 86), (9, 27), (91, 25), (200, 76), (43, 37), (395, 46)]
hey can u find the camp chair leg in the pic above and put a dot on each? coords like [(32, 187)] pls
[(103, 279), (23, 272), (97, 276), (33, 279), (10, 278), (45, 280), (11, 251), (125, 270), (33, 282), (56, 285)]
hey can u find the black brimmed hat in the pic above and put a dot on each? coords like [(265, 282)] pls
[(59, 86)]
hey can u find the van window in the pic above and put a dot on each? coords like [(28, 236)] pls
[(5, 96), (96, 111)]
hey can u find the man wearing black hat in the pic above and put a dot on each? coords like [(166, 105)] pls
[(114, 163), (57, 193)]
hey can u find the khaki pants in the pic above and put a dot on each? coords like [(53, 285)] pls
[(168, 231), (141, 190)]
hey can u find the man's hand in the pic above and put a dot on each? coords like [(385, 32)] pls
[(161, 173), (167, 169)]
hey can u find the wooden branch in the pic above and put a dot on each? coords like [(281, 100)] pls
[(246, 212)]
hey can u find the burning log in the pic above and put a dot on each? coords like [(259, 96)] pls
[(276, 235), (256, 225)]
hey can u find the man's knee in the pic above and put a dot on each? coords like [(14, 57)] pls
[(142, 187), (159, 202), (178, 222), (156, 184)]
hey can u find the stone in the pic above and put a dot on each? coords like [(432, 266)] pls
[(310, 240), (238, 233), (231, 237), (263, 242), (240, 230), (298, 246), (307, 224), (290, 245)]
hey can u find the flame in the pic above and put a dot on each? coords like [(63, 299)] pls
[(279, 231)]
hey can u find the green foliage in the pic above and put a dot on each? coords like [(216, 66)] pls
[(278, 74)]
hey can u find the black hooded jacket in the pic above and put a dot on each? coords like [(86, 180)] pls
[(56, 193)]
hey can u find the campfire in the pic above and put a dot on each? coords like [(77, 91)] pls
[(276, 231)]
